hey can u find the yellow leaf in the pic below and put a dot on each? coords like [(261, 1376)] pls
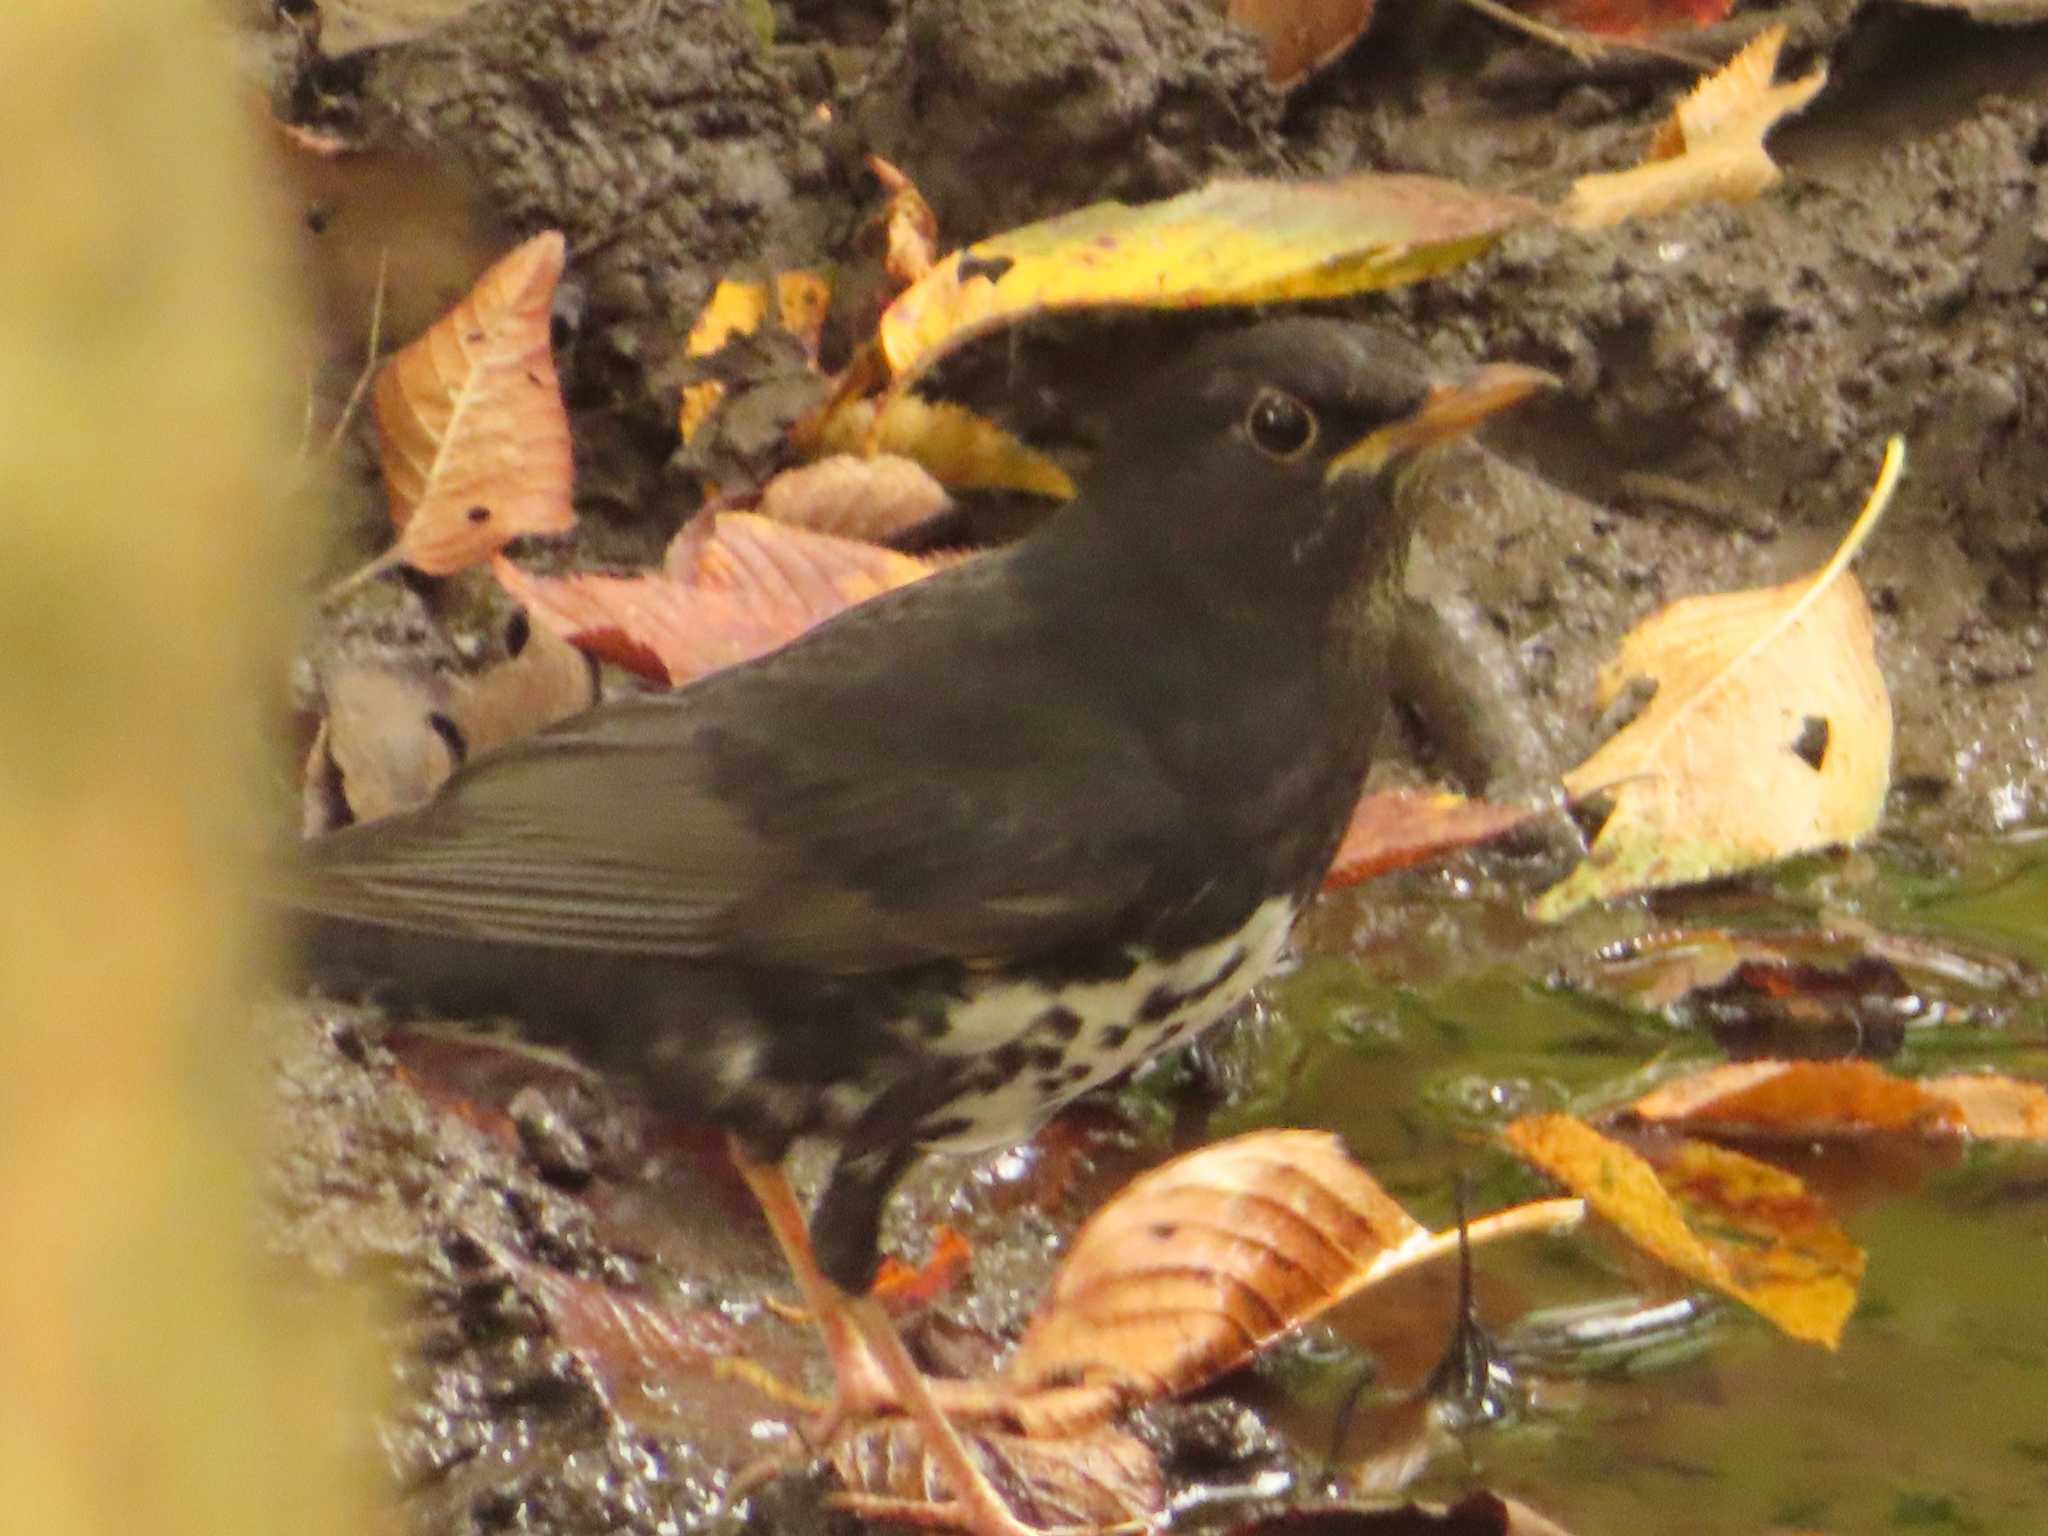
[(1770, 732), (1231, 242), (801, 302), (734, 309), (957, 447), (1712, 146), (1746, 1228)]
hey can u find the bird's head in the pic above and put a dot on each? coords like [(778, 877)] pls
[(1263, 464)]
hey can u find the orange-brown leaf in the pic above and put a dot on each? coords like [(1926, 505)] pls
[(473, 436), (1836, 1098), (901, 1286), (740, 590), (1302, 36), (1197, 1264), (910, 227), (1744, 1227), (1401, 828)]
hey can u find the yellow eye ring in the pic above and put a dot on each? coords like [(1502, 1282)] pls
[(1279, 425)]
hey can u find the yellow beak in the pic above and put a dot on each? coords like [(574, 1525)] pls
[(1449, 411)]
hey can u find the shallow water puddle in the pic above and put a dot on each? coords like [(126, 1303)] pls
[(1428, 1014)]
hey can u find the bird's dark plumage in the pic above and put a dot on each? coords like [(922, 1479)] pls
[(973, 846)]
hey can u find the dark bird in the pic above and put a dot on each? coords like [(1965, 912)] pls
[(964, 852)]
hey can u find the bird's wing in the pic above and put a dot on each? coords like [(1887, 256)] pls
[(794, 813)]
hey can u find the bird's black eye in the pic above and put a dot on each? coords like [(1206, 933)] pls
[(1280, 425)]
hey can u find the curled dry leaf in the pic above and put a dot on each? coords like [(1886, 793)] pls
[(1770, 732), (1302, 36), (1711, 147), (1844, 1098), (909, 225), (1230, 242), (959, 448), (877, 500), (1099, 1479), (394, 729), (1198, 1264), (1747, 1229), (900, 1287), (738, 309), (470, 424), (1401, 828), (739, 590)]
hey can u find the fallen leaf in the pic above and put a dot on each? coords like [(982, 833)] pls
[(1770, 732), (1301, 37), (901, 1286), (1230, 242), (1628, 19), (1747, 1229), (1097, 1480), (740, 590), (875, 499), (959, 448), (1837, 1098), (1711, 147), (910, 227), (471, 430), (734, 309), (802, 300), (394, 730), (1401, 828), (1198, 1264)]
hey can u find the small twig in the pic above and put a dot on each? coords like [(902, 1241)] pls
[(1584, 46), (1713, 507), (362, 384)]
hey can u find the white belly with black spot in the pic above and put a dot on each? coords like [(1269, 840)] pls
[(1042, 1046)]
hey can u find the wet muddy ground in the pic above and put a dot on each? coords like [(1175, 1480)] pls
[(1731, 373)]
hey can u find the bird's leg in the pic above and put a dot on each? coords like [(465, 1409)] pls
[(861, 1384), (872, 1370)]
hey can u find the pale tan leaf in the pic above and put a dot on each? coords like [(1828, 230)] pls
[(1712, 146), (877, 499), (1744, 1227), (470, 424), (1198, 1264), (1770, 732), (1090, 1481)]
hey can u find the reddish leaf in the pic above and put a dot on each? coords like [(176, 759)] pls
[(903, 1287), (474, 440), (1401, 828), (738, 590), (1302, 36), (1629, 18)]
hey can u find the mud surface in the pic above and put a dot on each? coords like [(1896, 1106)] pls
[(1731, 374)]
